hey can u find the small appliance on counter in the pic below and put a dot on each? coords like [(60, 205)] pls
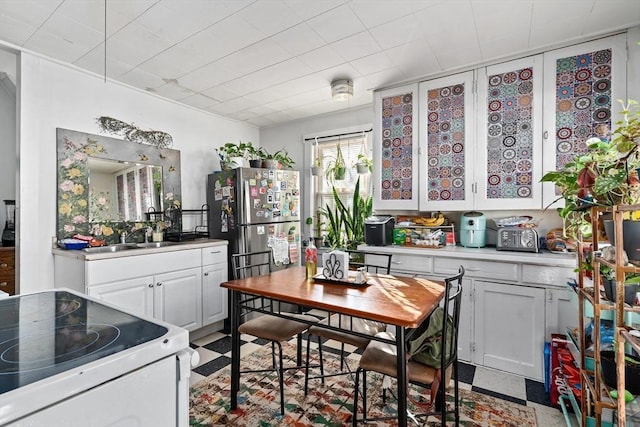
[(378, 230), (9, 232), (517, 239), (473, 226)]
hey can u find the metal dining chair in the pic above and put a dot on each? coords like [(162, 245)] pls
[(371, 262), (269, 327), (442, 368)]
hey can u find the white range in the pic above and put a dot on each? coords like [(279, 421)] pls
[(69, 360)]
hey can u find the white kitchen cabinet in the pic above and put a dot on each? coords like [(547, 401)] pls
[(180, 285), (214, 272), (583, 84), (178, 298), (447, 143), (511, 301), (395, 152), (509, 327), (509, 165), (134, 295), (174, 297)]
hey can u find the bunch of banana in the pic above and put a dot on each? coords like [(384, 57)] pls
[(431, 222)]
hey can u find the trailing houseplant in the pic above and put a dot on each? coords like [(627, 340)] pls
[(606, 175), (336, 167), (364, 164)]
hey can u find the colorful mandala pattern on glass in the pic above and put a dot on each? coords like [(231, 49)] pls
[(583, 102), (397, 152), (445, 143), (509, 129)]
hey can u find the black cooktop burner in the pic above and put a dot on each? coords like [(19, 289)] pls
[(47, 333)]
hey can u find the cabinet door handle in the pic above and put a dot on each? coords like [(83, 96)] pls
[(4, 265), (396, 262), (4, 284), (206, 274), (215, 252), (150, 285), (545, 135), (159, 284)]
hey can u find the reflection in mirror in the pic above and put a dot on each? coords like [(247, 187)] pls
[(123, 191)]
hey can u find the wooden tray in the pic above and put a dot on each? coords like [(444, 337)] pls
[(351, 280)]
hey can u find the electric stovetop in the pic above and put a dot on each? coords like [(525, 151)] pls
[(47, 333)]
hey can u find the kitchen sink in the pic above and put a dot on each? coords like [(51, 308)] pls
[(111, 248), (155, 244)]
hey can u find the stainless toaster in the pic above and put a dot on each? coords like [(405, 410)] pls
[(517, 239)]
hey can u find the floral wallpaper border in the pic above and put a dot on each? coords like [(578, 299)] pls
[(73, 150)]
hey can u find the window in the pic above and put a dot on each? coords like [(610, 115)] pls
[(327, 150)]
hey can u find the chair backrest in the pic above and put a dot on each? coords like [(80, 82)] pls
[(453, 300), (435, 341), (251, 264), (373, 262)]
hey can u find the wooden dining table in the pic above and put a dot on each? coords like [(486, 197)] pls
[(403, 302)]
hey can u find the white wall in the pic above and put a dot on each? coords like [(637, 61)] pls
[(53, 96)]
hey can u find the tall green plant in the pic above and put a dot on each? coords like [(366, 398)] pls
[(345, 228)]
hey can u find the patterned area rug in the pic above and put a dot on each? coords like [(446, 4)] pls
[(325, 405)]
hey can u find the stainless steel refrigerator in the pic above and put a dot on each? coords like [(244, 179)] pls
[(257, 209)]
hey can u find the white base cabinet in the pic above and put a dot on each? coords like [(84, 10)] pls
[(509, 328), (511, 301), (181, 287)]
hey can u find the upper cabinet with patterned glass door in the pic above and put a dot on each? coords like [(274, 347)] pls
[(583, 84), (447, 143), (509, 162), (395, 148)]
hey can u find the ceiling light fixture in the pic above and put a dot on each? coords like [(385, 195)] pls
[(341, 90)]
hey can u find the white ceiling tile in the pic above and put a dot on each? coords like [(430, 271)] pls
[(182, 25), (612, 14), (322, 58), (270, 17), (336, 24), (54, 46), (306, 9), (221, 93), (94, 61), (141, 79), (398, 32), (31, 12), (259, 56), (166, 66), (14, 30), (208, 76), (173, 91), (356, 46), (298, 40), (383, 78), (135, 44), (199, 101), (372, 63), (203, 13), (342, 71), (91, 13), (374, 13)]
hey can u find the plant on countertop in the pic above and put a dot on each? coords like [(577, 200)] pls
[(345, 228)]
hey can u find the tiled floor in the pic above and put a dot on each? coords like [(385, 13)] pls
[(215, 354)]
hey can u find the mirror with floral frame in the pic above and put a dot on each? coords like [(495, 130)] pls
[(73, 191)]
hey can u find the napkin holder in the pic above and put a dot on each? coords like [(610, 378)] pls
[(335, 265)]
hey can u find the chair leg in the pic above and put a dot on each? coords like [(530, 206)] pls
[(341, 357), (456, 392), (364, 395), (273, 354), (280, 371), (354, 421), (306, 368), (321, 360)]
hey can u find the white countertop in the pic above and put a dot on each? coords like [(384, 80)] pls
[(486, 254), (178, 246)]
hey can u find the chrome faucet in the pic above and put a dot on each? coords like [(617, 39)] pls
[(126, 237)]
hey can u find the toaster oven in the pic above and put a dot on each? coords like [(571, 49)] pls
[(517, 239)]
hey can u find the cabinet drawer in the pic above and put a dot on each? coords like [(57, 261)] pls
[(214, 255), (545, 275), (7, 261), (412, 263), (475, 268)]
